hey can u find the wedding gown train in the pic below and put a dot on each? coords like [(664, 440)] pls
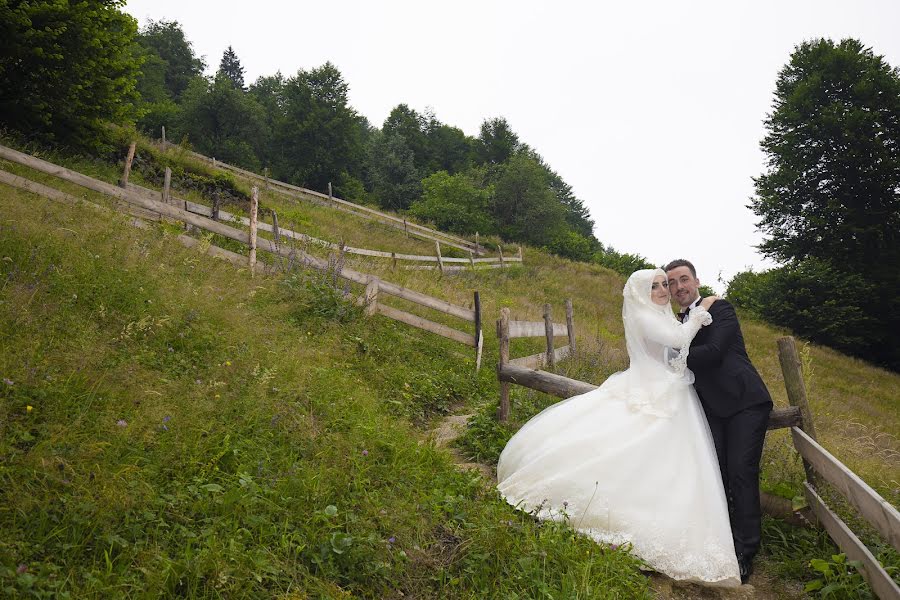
[(632, 462)]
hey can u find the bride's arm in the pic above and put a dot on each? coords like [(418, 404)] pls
[(669, 332)]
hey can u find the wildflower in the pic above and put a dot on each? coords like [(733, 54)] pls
[(164, 427), (218, 396), (122, 423), (565, 504), (171, 349), (29, 408), (23, 568), (392, 540), (7, 381), (365, 452), (227, 363), (166, 419), (198, 382), (613, 546)]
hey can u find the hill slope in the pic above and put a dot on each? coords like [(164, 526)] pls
[(198, 432)]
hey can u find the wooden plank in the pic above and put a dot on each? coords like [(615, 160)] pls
[(548, 333), (370, 298), (128, 160), (796, 391), (549, 383), (425, 300), (254, 211), (875, 509), (561, 353), (880, 582), (227, 231), (523, 329), (238, 260), (417, 321), (167, 186), (560, 330), (503, 340), (570, 317), (533, 361), (780, 418)]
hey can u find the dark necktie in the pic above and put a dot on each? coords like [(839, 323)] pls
[(684, 315)]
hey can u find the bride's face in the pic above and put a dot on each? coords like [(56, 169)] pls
[(659, 290)]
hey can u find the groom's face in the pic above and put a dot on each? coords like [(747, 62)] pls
[(683, 286)]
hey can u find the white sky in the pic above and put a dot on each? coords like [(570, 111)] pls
[(644, 108)]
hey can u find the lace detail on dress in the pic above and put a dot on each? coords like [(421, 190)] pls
[(699, 317)]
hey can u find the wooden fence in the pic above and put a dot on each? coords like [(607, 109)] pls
[(143, 203), (329, 199), (547, 329)]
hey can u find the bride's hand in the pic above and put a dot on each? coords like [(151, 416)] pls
[(708, 301)]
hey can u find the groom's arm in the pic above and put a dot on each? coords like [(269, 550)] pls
[(722, 333)]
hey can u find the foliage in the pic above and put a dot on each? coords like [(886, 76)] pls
[(814, 299), (497, 143), (838, 578), (524, 205), (223, 121), (454, 203), (391, 172), (166, 41), (832, 189), (66, 67), (622, 263), (230, 67)]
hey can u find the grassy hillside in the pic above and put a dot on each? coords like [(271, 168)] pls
[(169, 424)]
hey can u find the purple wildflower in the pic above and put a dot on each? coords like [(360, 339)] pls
[(23, 568), (166, 419), (122, 423), (164, 427), (392, 540), (365, 452), (7, 381)]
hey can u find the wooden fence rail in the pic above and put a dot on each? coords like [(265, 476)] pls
[(821, 466), (334, 202), (141, 200)]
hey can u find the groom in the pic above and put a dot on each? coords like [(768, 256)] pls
[(737, 406)]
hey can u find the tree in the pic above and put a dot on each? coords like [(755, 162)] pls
[(832, 190), (391, 173), (829, 202), (318, 139), (65, 67), (524, 205), (222, 121), (497, 142), (230, 67), (454, 203), (167, 40)]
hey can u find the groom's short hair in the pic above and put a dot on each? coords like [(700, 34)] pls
[(681, 263)]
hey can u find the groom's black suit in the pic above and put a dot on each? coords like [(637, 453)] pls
[(737, 406)]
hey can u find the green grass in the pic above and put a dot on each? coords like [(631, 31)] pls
[(193, 432), (248, 404)]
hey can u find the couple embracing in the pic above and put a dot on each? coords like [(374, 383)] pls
[(663, 456)]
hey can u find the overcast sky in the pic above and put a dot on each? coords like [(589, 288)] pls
[(652, 111)]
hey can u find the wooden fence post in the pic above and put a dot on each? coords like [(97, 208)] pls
[(500, 250), (503, 337), (471, 259), (405, 228), (570, 319), (167, 186), (254, 208), (164, 136), (215, 207), (266, 175), (476, 243), (548, 332), (128, 159), (437, 247), (479, 340), (393, 262), (796, 391), (330, 195), (276, 231), (520, 255), (370, 299)]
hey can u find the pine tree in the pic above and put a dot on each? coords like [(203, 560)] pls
[(231, 68)]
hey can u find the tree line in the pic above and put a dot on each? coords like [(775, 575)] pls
[(828, 203)]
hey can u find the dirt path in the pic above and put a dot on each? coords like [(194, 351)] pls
[(763, 585)]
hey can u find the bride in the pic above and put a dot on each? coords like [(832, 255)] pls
[(633, 461)]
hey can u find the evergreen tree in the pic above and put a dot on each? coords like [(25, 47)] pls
[(230, 67)]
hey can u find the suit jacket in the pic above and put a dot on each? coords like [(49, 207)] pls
[(725, 379)]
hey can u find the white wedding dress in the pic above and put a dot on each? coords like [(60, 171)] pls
[(633, 462)]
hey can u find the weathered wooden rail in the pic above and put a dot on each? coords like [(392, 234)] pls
[(408, 227), (175, 209)]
